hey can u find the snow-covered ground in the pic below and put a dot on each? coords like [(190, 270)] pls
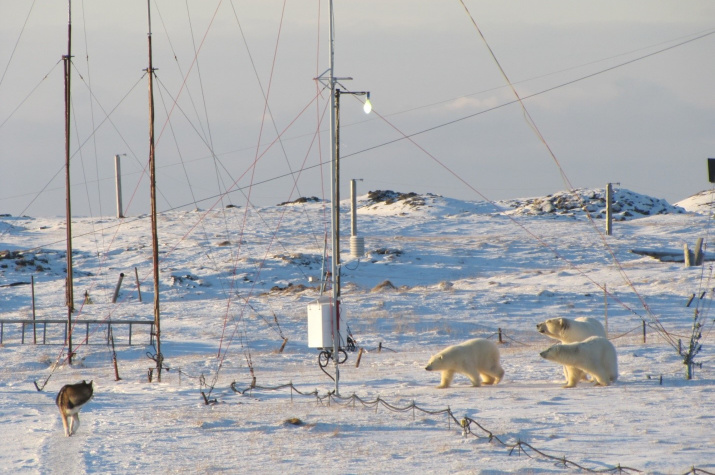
[(235, 282)]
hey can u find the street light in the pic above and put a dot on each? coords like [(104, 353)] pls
[(315, 312), (368, 105), (335, 240)]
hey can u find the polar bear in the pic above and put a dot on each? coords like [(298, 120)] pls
[(567, 330), (477, 359), (595, 356), (570, 331)]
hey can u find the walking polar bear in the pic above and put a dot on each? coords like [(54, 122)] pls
[(567, 330), (477, 359), (595, 356)]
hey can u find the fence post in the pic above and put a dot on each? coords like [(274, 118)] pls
[(139, 290), (698, 255), (116, 289), (644, 331), (114, 355), (357, 363), (687, 255)]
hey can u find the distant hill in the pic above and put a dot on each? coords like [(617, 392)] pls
[(701, 202), (626, 204)]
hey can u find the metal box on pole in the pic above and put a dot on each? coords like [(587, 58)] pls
[(320, 325)]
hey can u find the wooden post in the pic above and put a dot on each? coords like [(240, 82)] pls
[(357, 363), (116, 289), (643, 331), (139, 290), (114, 355), (687, 255), (379, 347), (500, 340), (698, 255), (285, 340)]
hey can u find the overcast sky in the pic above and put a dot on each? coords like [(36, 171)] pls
[(630, 99)]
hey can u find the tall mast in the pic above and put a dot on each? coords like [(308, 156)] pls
[(335, 201), (69, 286), (152, 179)]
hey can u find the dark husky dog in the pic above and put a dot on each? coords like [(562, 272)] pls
[(70, 400)]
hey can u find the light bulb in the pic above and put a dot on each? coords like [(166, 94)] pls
[(368, 105)]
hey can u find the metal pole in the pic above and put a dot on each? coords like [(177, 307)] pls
[(154, 238), (605, 307), (34, 325), (335, 282), (69, 284), (353, 208), (336, 246), (609, 209), (118, 176)]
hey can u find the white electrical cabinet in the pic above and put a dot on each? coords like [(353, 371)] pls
[(320, 325)]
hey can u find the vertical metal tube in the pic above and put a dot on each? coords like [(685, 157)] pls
[(34, 325), (353, 208), (609, 209), (69, 285), (334, 101), (118, 177)]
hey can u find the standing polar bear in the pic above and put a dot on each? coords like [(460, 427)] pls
[(595, 356), (567, 330), (477, 359)]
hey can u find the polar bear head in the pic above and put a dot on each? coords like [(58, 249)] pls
[(552, 353), (436, 363), (554, 327)]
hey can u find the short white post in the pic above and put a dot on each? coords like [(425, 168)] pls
[(357, 243), (118, 176), (353, 208)]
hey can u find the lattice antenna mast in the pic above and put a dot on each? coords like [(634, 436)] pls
[(70, 285), (152, 180)]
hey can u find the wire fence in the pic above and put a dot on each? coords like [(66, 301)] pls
[(468, 426)]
